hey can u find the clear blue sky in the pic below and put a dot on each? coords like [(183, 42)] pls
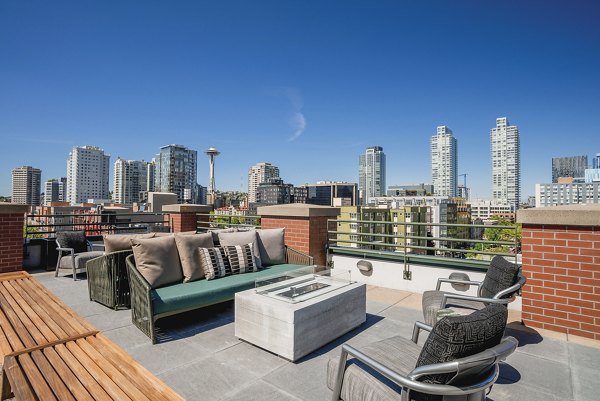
[(305, 85)]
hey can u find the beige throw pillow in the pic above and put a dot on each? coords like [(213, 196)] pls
[(187, 246), (122, 242), (157, 260), (271, 244), (242, 238)]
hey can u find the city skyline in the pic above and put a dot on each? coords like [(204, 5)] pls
[(253, 81)]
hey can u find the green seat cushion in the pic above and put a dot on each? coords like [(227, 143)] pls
[(196, 294)]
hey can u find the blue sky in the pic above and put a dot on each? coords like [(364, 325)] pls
[(305, 85)]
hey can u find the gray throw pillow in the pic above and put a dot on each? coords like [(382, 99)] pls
[(215, 233), (157, 260), (187, 247), (271, 245), (242, 238), (122, 242)]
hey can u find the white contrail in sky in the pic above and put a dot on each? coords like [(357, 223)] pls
[(298, 123)]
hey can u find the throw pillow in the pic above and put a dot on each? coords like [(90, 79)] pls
[(214, 262), (271, 245), (157, 260), (242, 238), (241, 258), (122, 242), (215, 233), (72, 239), (187, 247), (500, 275), (454, 337)]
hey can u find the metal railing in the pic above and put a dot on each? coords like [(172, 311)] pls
[(432, 242), (208, 221), (47, 225)]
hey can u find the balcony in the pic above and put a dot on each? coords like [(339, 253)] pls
[(558, 355)]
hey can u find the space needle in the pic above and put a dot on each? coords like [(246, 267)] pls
[(212, 153)]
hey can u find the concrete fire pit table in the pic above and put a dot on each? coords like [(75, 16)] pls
[(294, 314)]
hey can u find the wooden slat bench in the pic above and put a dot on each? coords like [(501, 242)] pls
[(50, 353)]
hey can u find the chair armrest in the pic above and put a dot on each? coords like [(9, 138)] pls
[(513, 288), (456, 281), (70, 250), (406, 382), (296, 257), (417, 330), (446, 297), (142, 309)]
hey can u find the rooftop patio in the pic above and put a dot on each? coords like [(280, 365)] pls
[(201, 359)]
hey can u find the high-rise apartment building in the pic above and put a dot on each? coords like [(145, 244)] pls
[(572, 166), (176, 171), (324, 193), (87, 174), (150, 175), (596, 161), (506, 162), (130, 181), (54, 191), (26, 183), (371, 174), (444, 162), (258, 174)]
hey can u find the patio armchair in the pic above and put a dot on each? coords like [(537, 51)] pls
[(74, 250), (502, 281), (459, 361)]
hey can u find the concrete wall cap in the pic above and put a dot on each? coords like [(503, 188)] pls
[(187, 208), (571, 215), (10, 208), (298, 210)]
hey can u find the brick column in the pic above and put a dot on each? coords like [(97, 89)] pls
[(561, 259), (12, 220), (184, 218), (305, 226)]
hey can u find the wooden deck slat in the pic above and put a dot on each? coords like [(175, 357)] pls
[(35, 378), (109, 367), (71, 381), (18, 382), (51, 353), (132, 369), (107, 384), (52, 377), (79, 371)]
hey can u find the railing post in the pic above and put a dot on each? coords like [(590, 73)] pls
[(305, 226), (12, 221), (184, 217), (561, 260)]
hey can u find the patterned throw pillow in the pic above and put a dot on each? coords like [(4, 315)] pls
[(241, 258), (214, 263)]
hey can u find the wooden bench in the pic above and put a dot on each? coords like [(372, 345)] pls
[(50, 353)]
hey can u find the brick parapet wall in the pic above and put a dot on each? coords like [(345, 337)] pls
[(12, 219), (562, 266), (187, 217)]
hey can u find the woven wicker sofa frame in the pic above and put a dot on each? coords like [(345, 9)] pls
[(108, 281), (148, 305)]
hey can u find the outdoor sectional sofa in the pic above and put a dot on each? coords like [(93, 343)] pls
[(151, 301)]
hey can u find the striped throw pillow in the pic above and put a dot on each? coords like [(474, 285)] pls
[(214, 262), (241, 258)]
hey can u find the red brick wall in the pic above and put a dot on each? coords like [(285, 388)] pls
[(11, 242), (182, 222), (562, 266), (305, 234)]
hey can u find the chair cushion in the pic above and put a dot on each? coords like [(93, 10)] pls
[(432, 300), (122, 242), (363, 383), (500, 275), (456, 337), (72, 239), (157, 260), (271, 246), (214, 262), (242, 238), (241, 258), (80, 259), (199, 293), (187, 247)]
